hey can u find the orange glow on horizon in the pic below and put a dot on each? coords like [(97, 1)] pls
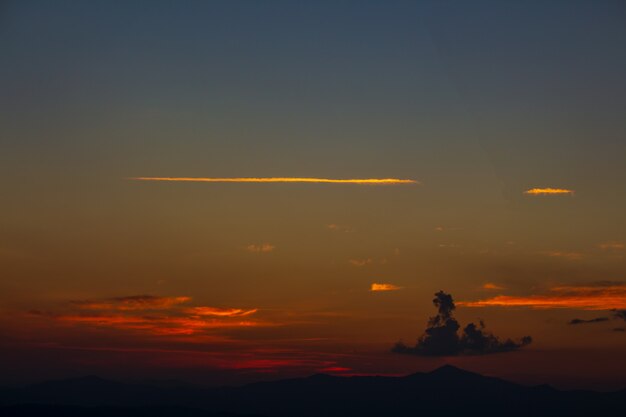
[(368, 181)]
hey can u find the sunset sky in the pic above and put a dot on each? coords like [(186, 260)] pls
[(182, 189)]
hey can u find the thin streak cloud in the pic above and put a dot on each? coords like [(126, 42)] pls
[(548, 191), (364, 181)]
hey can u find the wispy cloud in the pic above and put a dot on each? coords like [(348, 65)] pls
[(263, 247), (339, 228), (591, 297), (365, 181), (492, 286), (614, 245), (572, 256), (384, 287), (152, 314), (361, 262), (548, 191), (588, 321), (134, 302), (220, 312)]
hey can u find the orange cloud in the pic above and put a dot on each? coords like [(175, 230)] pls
[(572, 256), (601, 297), (220, 312), (548, 191), (145, 313), (384, 287), (368, 181), (134, 302), (339, 228), (360, 262), (492, 286), (264, 247), (160, 325), (612, 246)]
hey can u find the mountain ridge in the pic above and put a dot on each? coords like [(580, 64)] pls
[(446, 391)]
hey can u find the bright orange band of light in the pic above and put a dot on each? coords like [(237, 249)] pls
[(548, 191), (582, 298), (368, 181)]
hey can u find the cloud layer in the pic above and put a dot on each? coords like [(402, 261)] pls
[(441, 337)]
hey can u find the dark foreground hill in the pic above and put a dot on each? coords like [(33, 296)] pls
[(446, 391)]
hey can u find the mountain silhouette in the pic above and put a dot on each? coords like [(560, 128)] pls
[(445, 391)]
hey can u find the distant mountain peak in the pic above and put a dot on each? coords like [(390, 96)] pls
[(451, 370)]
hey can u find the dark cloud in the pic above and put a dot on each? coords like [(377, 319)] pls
[(619, 314), (441, 337), (619, 329), (582, 321)]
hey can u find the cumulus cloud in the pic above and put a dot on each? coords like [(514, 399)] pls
[(599, 296), (441, 337), (261, 248), (384, 287), (549, 191)]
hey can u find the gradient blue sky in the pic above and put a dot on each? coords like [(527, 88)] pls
[(479, 101)]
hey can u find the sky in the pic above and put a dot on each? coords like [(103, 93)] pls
[(104, 269)]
